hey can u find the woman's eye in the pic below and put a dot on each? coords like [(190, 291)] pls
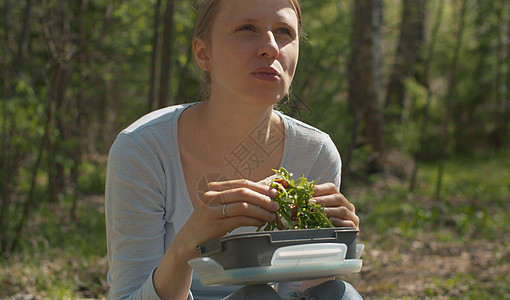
[(284, 30), (246, 27)]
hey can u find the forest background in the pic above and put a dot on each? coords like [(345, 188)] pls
[(415, 94)]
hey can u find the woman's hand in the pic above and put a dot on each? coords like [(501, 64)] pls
[(239, 203), (228, 205), (341, 212), (224, 207)]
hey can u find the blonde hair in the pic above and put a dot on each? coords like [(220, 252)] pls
[(207, 10)]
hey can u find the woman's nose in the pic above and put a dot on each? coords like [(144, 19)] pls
[(269, 47)]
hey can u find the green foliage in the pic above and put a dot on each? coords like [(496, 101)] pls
[(61, 257), (474, 203), (471, 219), (321, 78), (92, 179), (295, 212)]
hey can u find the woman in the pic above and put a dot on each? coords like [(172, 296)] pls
[(187, 174)]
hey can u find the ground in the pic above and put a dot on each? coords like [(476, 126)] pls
[(467, 256), (426, 268)]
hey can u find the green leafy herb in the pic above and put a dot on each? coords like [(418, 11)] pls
[(295, 212)]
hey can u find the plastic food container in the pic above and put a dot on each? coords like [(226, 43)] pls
[(256, 249), (287, 255)]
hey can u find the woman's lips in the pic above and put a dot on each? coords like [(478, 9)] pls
[(266, 74)]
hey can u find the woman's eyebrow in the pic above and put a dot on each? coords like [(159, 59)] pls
[(278, 23), (247, 20)]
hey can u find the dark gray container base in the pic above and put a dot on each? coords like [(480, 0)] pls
[(256, 249)]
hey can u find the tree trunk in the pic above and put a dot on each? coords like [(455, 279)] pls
[(78, 127), (155, 54), (506, 103), (30, 202), (412, 37), (452, 82), (5, 197), (500, 133), (431, 47), (56, 24), (19, 65), (107, 104), (14, 51), (365, 72), (166, 54)]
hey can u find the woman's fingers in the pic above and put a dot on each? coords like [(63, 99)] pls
[(244, 209), (341, 212), (239, 203), (329, 195), (227, 205), (341, 215), (243, 195), (243, 183), (249, 203), (343, 223), (241, 191)]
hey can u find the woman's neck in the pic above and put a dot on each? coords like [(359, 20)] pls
[(233, 123), (235, 134)]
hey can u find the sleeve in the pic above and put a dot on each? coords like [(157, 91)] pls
[(135, 225), (327, 167)]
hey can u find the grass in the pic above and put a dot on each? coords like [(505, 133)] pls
[(417, 245), (60, 258), (451, 247), (474, 201)]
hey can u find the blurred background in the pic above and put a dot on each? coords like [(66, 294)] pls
[(415, 94)]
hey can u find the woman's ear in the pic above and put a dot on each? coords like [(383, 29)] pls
[(201, 54)]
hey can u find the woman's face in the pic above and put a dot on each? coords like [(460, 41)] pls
[(252, 51)]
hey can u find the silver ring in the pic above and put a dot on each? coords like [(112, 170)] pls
[(224, 211)]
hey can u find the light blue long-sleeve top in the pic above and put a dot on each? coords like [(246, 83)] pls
[(147, 201)]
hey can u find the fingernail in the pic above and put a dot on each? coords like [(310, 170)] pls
[(276, 206)]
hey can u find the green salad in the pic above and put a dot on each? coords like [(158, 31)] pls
[(295, 212)]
